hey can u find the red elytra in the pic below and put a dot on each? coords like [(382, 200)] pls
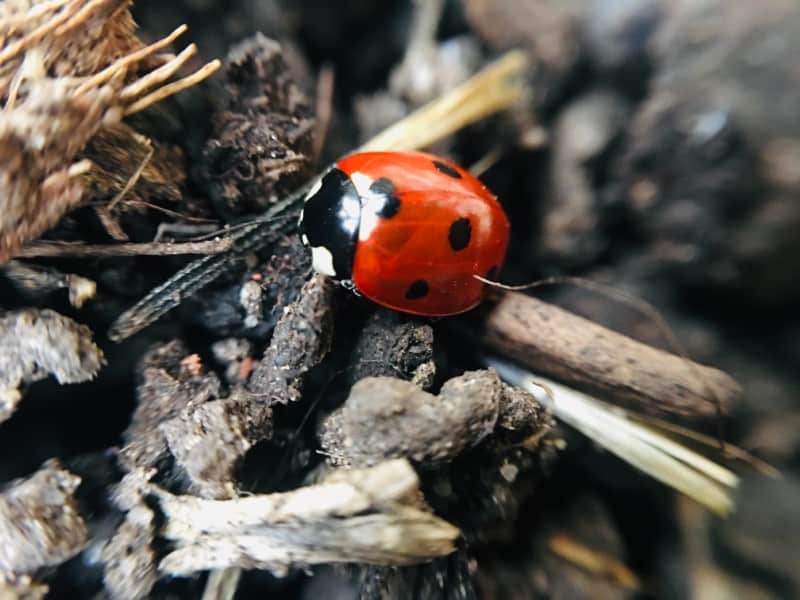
[(408, 230)]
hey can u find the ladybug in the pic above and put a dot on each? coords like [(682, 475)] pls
[(407, 230)]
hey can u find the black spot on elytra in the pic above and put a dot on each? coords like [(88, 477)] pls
[(417, 290), (382, 186), (491, 274), (460, 234), (385, 188), (446, 169)]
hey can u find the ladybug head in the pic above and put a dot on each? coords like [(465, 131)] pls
[(329, 224)]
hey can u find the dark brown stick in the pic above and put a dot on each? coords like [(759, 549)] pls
[(554, 342)]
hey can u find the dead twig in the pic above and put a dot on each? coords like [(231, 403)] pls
[(594, 561), (40, 249), (368, 516), (552, 341), (325, 88)]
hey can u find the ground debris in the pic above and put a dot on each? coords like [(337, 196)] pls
[(251, 305), (582, 136), (40, 184), (301, 339), (208, 441), (38, 343), (64, 76), (548, 548), (447, 578), (129, 558), (367, 515), (171, 380), (385, 418), (555, 342), (235, 356), (618, 34), (395, 345), (763, 531), (654, 146), (548, 28), (261, 144), (184, 414), (121, 156), (40, 524), (35, 281)]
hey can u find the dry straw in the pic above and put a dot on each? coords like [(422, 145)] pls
[(70, 70)]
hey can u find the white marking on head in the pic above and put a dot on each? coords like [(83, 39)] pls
[(372, 203), (300, 220), (322, 261), (350, 213), (369, 216), (314, 188), (304, 239), (362, 183)]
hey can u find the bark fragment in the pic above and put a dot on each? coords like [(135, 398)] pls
[(259, 151), (368, 515), (38, 343), (40, 522), (385, 418), (169, 384), (300, 341), (555, 342), (210, 440)]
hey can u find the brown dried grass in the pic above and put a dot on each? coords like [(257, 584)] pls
[(70, 71)]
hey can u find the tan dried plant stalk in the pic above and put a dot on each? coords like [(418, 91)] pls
[(70, 70)]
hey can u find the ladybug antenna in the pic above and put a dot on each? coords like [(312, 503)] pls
[(644, 308)]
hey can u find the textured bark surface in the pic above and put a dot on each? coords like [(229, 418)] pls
[(40, 522), (555, 342)]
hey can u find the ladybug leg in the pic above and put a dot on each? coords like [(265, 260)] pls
[(349, 285)]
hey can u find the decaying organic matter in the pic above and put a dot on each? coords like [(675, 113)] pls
[(259, 150), (359, 515), (184, 415), (69, 73), (40, 523), (36, 282), (129, 559), (36, 344), (554, 341), (385, 418), (299, 342), (210, 440), (393, 345), (171, 381)]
